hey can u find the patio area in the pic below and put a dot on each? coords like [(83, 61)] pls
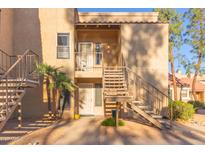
[(88, 130)]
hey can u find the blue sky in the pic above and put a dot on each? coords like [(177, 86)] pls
[(184, 48)]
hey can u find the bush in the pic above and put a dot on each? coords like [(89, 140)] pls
[(111, 122), (197, 104), (182, 110)]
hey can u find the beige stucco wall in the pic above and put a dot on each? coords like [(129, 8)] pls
[(37, 29), (145, 49), (6, 30)]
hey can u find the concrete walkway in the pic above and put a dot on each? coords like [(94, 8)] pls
[(11, 132), (88, 130)]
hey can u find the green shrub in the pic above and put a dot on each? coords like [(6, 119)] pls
[(197, 104), (182, 110), (111, 122)]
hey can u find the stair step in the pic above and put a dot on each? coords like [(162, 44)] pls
[(108, 86), (11, 91), (2, 118), (107, 75), (136, 101), (113, 70), (9, 103), (116, 77), (116, 87), (149, 111), (13, 80), (19, 80), (150, 117), (143, 107), (115, 92), (156, 116), (113, 73), (116, 95), (10, 97), (2, 111), (115, 84)]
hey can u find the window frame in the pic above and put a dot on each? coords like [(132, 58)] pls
[(187, 93), (98, 54), (62, 46)]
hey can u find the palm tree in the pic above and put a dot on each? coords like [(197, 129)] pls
[(61, 85), (57, 82), (46, 71)]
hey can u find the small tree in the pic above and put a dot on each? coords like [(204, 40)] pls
[(61, 83), (175, 38), (46, 71), (56, 81), (195, 36)]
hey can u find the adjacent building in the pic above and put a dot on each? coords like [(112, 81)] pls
[(184, 87)]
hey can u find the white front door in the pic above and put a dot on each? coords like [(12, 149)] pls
[(86, 60), (86, 99)]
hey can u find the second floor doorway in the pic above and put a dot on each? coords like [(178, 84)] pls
[(89, 56)]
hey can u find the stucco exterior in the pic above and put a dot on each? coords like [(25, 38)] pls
[(37, 29), (6, 30), (145, 50), (138, 36)]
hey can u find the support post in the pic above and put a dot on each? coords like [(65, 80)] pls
[(20, 115), (117, 114)]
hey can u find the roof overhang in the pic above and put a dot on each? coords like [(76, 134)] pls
[(115, 18)]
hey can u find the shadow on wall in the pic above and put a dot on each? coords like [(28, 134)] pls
[(27, 35), (145, 49)]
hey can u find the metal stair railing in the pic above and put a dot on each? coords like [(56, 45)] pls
[(142, 90), (6, 61), (22, 70)]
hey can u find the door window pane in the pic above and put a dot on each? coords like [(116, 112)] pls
[(98, 94), (85, 58)]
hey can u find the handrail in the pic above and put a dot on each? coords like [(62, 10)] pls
[(146, 81), (124, 65), (7, 53), (17, 62), (83, 61), (5, 60), (140, 83)]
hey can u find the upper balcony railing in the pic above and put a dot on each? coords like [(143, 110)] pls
[(88, 61), (6, 61)]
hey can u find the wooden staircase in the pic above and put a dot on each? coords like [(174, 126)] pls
[(15, 77), (119, 86), (115, 87)]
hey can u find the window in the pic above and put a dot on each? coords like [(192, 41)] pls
[(184, 93), (98, 94), (98, 54), (63, 46)]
